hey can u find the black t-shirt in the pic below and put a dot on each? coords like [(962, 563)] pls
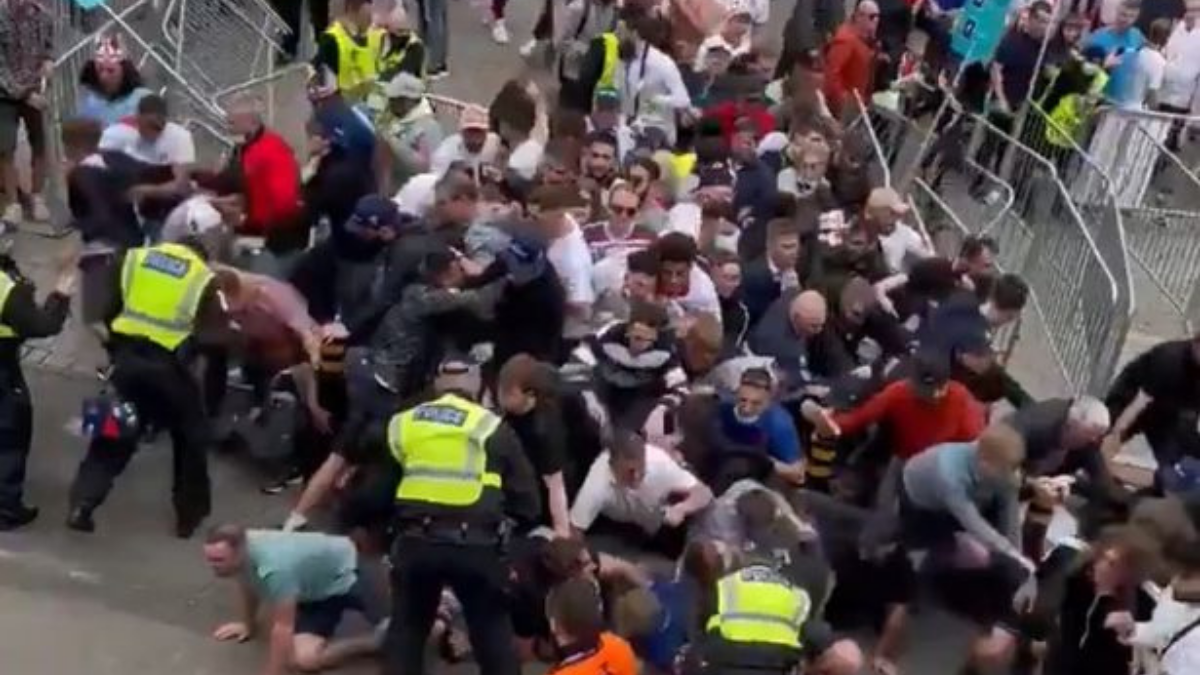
[(1018, 56), (1168, 373)]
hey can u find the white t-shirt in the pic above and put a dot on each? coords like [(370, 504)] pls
[(417, 196), (525, 159), (174, 146), (903, 246), (572, 261), (652, 90), (1183, 68), (641, 506), (1147, 77), (608, 276), (452, 150)]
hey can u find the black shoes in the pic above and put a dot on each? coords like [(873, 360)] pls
[(186, 527), (16, 518), (80, 520)]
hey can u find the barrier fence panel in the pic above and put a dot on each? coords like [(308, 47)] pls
[(1083, 305), (1164, 226), (194, 52), (1089, 187), (860, 139)]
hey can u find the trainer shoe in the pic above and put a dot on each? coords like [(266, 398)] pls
[(40, 211), (499, 32)]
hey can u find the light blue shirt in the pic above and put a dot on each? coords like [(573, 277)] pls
[(110, 111), (300, 566), (1119, 89)]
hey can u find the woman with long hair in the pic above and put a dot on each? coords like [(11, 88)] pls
[(111, 85)]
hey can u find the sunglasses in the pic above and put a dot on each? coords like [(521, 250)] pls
[(623, 210)]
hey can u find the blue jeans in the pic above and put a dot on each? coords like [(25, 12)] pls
[(434, 32)]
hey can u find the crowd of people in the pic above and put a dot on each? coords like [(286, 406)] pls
[(638, 370)]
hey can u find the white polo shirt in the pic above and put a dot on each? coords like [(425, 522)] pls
[(641, 506)]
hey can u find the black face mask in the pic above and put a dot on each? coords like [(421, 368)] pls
[(627, 49)]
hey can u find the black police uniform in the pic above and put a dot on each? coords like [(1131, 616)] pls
[(463, 548), (23, 317), (166, 394)]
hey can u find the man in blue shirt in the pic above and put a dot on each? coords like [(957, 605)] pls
[(1120, 42), (753, 424)]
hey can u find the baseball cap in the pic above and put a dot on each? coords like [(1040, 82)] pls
[(374, 212), (474, 117), (714, 175), (458, 373), (606, 99), (931, 371), (404, 85)]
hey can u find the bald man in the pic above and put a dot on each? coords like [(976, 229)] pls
[(808, 313), (793, 332)]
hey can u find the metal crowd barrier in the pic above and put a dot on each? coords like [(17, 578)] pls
[(1091, 191), (861, 137), (1085, 305), (1160, 205), (194, 52)]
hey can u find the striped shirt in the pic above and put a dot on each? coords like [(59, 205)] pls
[(603, 242)]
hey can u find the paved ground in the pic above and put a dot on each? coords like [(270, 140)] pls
[(133, 600)]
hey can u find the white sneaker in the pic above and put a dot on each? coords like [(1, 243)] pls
[(526, 49), (41, 212), (500, 32), (13, 213)]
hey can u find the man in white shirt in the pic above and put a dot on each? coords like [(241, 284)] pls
[(567, 251), (901, 244), (639, 484), (1181, 78), (474, 144), (150, 138), (649, 81)]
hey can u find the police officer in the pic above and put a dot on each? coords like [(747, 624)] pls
[(762, 623), (21, 318), (165, 292), (462, 472)]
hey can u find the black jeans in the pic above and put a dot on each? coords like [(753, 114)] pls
[(166, 394), (289, 11), (16, 432), (421, 568)]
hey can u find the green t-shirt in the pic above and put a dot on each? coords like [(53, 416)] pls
[(300, 566)]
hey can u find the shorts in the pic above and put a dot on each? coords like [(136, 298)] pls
[(321, 617), (12, 115)]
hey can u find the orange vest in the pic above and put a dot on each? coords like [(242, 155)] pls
[(613, 656)]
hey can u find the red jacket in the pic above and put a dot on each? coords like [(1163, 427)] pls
[(916, 424), (849, 67), (271, 184)]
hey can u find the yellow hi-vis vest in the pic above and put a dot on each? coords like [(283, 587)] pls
[(608, 73), (757, 605), (6, 288), (440, 445), (161, 288), (389, 63), (357, 62)]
